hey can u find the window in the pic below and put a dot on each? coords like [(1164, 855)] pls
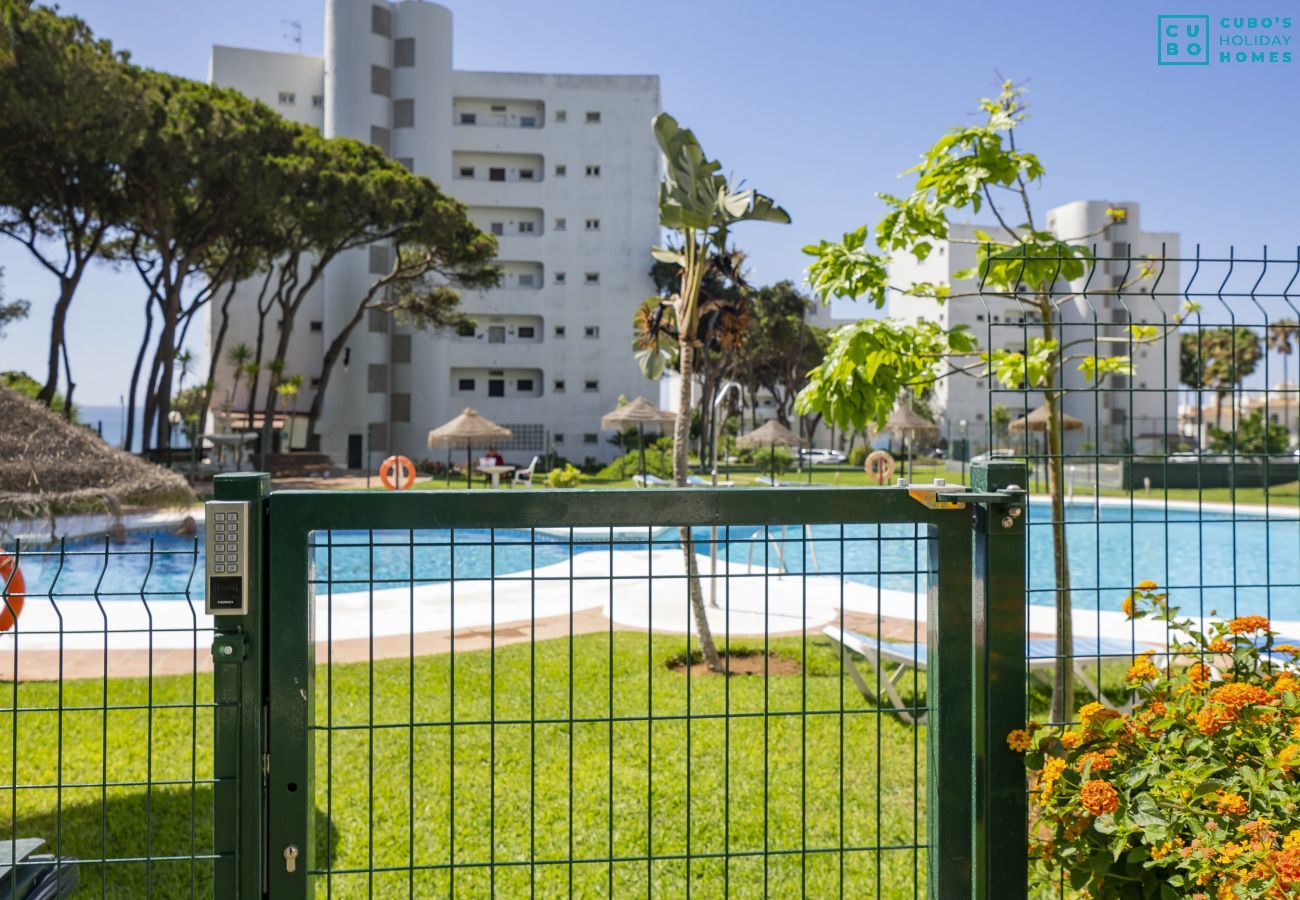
[(403, 113), (592, 278), (560, 224), (317, 101), (377, 378), (591, 331), (498, 228), (379, 263), (496, 334), (381, 138), (400, 349), (465, 172), (561, 115), (560, 277), (288, 98), (524, 385), (561, 171), (528, 121), (400, 407), (593, 224), (527, 332), (591, 385), (590, 438), (526, 279), (559, 386), (558, 438), (315, 383), (468, 119), (498, 107), (381, 81), (527, 227), (317, 325), (559, 331), (404, 53), (527, 175), (377, 321), (496, 174), (593, 118), (465, 329), (381, 20), (496, 387), (465, 384), (593, 171)]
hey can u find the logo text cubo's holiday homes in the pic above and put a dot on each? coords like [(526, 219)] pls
[(1197, 40)]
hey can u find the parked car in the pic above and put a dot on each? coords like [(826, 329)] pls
[(822, 457)]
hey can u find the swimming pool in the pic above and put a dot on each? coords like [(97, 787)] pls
[(1207, 560)]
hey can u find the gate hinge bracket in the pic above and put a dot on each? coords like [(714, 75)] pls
[(941, 495)]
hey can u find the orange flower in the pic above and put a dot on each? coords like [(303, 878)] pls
[(1228, 804), (1289, 757), (1100, 761), (1072, 739), (1019, 740), (1143, 669), (1147, 585), (1213, 718), (1219, 645), (1235, 695), (1099, 797), (1285, 683), (1129, 607), (1094, 714), (1248, 624), (1199, 676)]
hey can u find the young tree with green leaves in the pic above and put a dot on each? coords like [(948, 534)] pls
[(12, 310), (1253, 436), (699, 206), (971, 169)]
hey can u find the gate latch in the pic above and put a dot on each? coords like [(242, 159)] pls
[(941, 495)]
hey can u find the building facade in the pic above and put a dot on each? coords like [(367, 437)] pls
[(1136, 413), (563, 169)]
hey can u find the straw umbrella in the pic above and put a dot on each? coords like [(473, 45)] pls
[(1036, 421), (906, 422), (468, 428), (640, 412), (771, 433)]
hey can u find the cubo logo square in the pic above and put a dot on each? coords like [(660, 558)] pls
[(1183, 40)]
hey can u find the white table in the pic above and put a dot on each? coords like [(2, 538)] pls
[(496, 472)]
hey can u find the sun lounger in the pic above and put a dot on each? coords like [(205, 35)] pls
[(650, 481), (1040, 655), (698, 481), (763, 479)]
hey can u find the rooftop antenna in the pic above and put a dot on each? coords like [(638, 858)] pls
[(294, 33)]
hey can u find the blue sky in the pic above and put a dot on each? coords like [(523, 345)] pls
[(819, 104)]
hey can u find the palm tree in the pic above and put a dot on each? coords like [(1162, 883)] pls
[(1279, 341), (238, 357), (184, 362), (700, 206)]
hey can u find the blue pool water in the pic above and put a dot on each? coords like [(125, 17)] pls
[(1199, 557)]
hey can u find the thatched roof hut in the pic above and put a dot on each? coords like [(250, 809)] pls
[(48, 465)]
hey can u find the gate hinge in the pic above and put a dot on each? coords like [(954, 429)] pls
[(941, 495)]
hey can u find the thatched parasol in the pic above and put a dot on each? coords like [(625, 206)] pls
[(1037, 421), (771, 433), (49, 465), (906, 422), (468, 428), (640, 412)]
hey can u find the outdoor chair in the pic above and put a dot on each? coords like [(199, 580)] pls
[(1040, 656), (525, 476), (699, 481), (650, 481), (765, 480)]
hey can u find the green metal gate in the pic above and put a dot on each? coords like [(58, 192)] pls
[(469, 693)]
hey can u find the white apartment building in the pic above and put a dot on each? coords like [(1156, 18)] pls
[(563, 169), (1140, 409)]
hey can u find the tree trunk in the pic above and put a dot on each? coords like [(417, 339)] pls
[(58, 337), (681, 444), (135, 375), (332, 355), (1063, 681)]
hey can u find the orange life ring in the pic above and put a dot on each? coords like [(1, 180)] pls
[(386, 476), (879, 465), (13, 591)]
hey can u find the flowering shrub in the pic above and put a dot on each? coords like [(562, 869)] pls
[(1193, 794)]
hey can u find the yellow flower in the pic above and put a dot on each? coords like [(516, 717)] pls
[(1289, 756), (1072, 739), (1147, 585), (1129, 607), (1229, 804), (1143, 669), (1248, 624), (1235, 695), (1095, 713), (1019, 740)]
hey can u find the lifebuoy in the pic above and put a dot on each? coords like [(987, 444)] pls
[(13, 591), (386, 473), (879, 465)]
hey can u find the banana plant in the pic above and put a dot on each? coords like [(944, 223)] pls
[(700, 205)]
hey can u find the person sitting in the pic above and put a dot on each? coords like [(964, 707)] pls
[(493, 458)]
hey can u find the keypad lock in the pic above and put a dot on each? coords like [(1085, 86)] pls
[(226, 524)]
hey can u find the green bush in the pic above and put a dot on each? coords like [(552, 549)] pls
[(858, 455), (658, 461), (567, 477), (767, 458)]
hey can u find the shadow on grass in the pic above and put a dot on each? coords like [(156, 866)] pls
[(132, 843)]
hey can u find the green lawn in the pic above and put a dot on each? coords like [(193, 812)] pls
[(521, 791)]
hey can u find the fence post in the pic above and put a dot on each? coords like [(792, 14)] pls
[(1000, 824), (238, 682), (949, 787)]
